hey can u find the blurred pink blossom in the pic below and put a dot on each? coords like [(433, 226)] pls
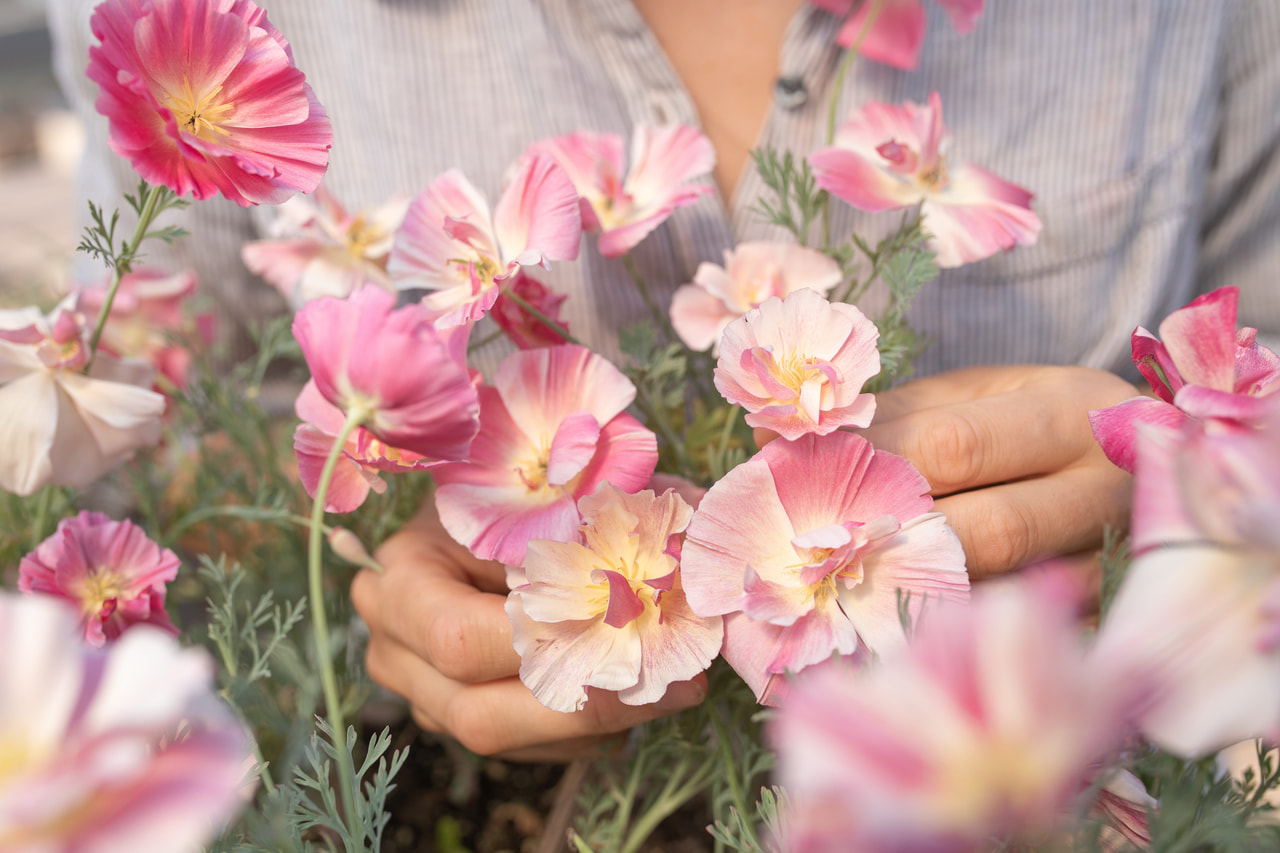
[(898, 30), (449, 244), (752, 273), (606, 610), (524, 329), (121, 748), (553, 427), (798, 365), (887, 157), (203, 97), (109, 570), (809, 545), (625, 210)]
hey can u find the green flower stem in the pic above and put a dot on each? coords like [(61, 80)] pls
[(731, 775), (660, 317), (672, 797), (246, 513), (542, 318), (44, 501), (320, 632), (145, 218)]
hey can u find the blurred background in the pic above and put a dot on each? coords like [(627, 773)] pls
[(40, 144)]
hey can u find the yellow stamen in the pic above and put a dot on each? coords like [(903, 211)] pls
[(199, 115)]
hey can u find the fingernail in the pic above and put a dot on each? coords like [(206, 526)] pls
[(684, 694)]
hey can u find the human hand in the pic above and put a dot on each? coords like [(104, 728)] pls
[(439, 637)]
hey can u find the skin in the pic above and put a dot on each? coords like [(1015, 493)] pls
[(1008, 450)]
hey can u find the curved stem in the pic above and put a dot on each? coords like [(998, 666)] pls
[(731, 775), (145, 219), (541, 318)]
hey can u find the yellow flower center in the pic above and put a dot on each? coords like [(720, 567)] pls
[(98, 591), (360, 236), (200, 115)]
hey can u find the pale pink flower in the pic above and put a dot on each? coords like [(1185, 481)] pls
[(1123, 805), (525, 330), (109, 570), (887, 157), (985, 729), (120, 748), (319, 249), (798, 365), (752, 273), (898, 30), (606, 609), (60, 426), (203, 97), (624, 210), (449, 243), (408, 380), (810, 544), (147, 319), (553, 427), (1201, 367)]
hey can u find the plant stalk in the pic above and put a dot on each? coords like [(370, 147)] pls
[(145, 218)]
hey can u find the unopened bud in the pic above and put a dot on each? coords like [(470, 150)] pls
[(348, 546)]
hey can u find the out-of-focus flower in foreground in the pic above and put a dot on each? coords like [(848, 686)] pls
[(203, 97), (407, 381), (109, 570), (752, 273), (121, 748), (987, 726), (798, 365), (319, 249), (606, 610), (60, 426), (449, 243), (887, 157), (897, 32), (838, 534), (625, 210)]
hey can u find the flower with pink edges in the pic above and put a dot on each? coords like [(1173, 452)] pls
[(624, 210), (797, 365), (120, 748), (406, 381), (553, 427), (203, 97), (888, 157), (524, 329), (606, 610), (147, 319), (838, 532), (113, 574), (752, 273), (897, 32), (317, 248), (986, 728), (1201, 367), (451, 245), (62, 427)]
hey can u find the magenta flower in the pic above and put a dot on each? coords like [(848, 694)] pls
[(62, 427), (810, 544), (897, 32), (450, 244), (985, 729), (524, 329), (553, 427), (203, 97), (319, 249), (113, 574), (408, 381), (888, 157), (1201, 367), (624, 210), (752, 273), (121, 748), (606, 609), (798, 365)]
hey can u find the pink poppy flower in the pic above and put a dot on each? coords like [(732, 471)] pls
[(319, 249), (606, 609), (624, 210), (553, 427), (1201, 367), (450, 244), (62, 427), (809, 544), (525, 330), (120, 748), (798, 365), (147, 319), (113, 574), (985, 729), (752, 273), (409, 379), (897, 32), (888, 157), (203, 97)]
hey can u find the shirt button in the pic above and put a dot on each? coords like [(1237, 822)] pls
[(790, 93)]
